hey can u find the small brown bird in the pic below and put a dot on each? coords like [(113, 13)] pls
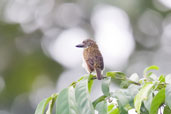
[(92, 57)]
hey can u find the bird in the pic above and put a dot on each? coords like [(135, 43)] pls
[(92, 57)]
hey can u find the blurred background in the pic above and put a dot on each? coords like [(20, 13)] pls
[(38, 56)]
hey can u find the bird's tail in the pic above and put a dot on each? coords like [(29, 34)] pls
[(98, 73)]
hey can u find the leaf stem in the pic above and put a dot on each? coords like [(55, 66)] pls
[(49, 111), (98, 100), (132, 82), (51, 104)]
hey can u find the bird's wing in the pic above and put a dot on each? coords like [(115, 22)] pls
[(99, 62), (90, 64)]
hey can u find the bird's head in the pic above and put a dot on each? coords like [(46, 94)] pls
[(87, 43)]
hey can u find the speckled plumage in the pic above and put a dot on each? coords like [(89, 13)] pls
[(93, 58)]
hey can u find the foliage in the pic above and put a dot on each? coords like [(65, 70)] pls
[(146, 96)]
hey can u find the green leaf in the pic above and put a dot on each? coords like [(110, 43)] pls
[(162, 78), (124, 84), (134, 77), (116, 75), (81, 78), (125, 97), (102, 107), (90, 82), (142, 95), (131, 95), (167, 110), (168, 95), (42, 105), (153, 67), (66, 103), (122, 100), (152, 76), (157, 101), (147, 103), (114, 111), (105, 86), (162, 83), (149, 74), (98, 100), (143, 110), (121, 97), (168, 78), (110, 107), (83, 98), (51, 103)]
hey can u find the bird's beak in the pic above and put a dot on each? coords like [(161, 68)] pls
[(80, 45)]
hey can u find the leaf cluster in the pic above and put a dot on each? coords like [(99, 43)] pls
[(146, 96)]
